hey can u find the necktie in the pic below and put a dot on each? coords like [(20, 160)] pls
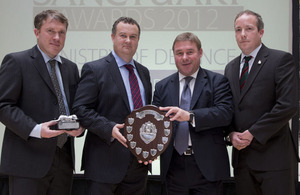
[(61, 139), (134, 87), (244, 74), (182, 134)]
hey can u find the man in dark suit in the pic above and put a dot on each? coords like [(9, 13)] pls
[(33, 158), (264, 156), (103, 100), (200, 166)]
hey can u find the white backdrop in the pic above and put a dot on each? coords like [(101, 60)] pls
[(88, 36)]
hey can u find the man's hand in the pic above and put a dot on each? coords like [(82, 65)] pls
[(117, 135), (75, 132), (176, 113), (239, 140), (246, 135), (146, 162), (46, 132)]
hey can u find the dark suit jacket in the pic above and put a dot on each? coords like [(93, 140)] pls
[(28, 98), (101, 102), (266, 104), (212, 105)]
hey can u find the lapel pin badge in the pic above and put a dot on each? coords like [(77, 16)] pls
[(259, 62)]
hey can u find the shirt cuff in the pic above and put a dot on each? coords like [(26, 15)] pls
[(193, 122), (36, 131)]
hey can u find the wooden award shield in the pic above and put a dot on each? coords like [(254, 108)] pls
[(148, 132)]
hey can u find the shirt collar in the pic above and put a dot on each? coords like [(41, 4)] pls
[(47, 58), (253, 53), (120, 61), (181, 76)]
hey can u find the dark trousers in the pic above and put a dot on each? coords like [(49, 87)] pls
[(58, 180), (134, 183), (185, 178), (252, 182)]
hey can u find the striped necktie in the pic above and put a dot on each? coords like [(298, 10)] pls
[(134, 87), (244, 73)]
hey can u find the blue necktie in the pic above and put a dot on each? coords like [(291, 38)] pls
[(182, 134)]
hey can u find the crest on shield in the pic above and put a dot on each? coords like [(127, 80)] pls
[(148, 132)]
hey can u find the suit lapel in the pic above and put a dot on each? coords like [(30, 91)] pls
[(236, 77), (41, 67), (173, 97), (256, 67), (200, 82), (144, 81), (173, 90), (117, 78)]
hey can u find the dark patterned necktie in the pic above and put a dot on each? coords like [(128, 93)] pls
[(134, 87), (244, 73), (182, 134), (61, 139)]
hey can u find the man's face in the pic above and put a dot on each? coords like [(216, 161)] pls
[(126, 40), (187, 57), (247, 35), (51, 37)]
